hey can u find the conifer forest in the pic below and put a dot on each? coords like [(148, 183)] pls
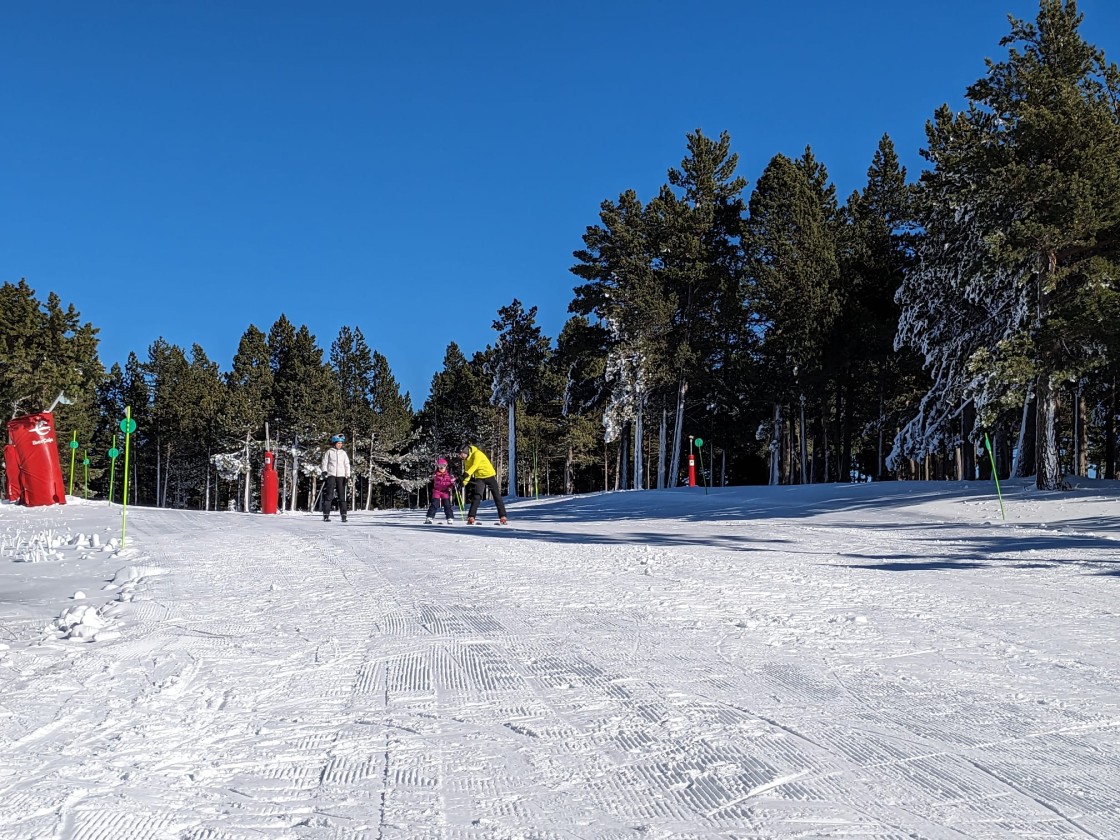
[(934, 325)]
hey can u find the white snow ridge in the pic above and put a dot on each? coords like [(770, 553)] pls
[(865, 661)]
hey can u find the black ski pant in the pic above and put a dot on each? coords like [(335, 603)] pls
[(448, 511), (334, 487), (477, 486)]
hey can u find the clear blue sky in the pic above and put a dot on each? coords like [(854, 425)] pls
[(185, 169)]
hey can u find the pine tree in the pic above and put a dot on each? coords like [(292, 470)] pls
[(393, 459), (791, 246), (352, 362), (519, 359), (45, 350), (697, 235), (166, 373), (448, 415), (579, 364), (1030, 177), (875, 252)]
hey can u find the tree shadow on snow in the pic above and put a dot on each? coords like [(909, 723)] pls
[(531, 529), (919, 566)]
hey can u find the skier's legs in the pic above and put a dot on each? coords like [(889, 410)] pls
[(475, 488), (496, 492), (432, 508), (340, 489), (448, 511)]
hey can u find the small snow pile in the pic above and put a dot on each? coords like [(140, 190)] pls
[(128, 578), (85, 541), (86, 623)]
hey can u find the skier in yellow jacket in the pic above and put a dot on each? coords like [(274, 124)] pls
[(479, 473)]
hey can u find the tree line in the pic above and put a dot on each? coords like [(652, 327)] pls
[(922, 329)]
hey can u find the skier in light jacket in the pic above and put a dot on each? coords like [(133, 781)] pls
[(479, 473), (336, 476)]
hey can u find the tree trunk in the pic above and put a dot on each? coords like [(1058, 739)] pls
[(1081, 433), (1048, 467), (369, 474), (295, 475), (1023, 461), (512, 421), (639, 474), (787, 449), (775, 445), (968, 448), (206, 503), (846, 434), (678, 433), (625, 446), (661, 448), (803, 444), (248, 468), (824, 444), (881, 458), (1110, 434), (159, 471), (166, 477)]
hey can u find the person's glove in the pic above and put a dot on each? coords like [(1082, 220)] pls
[(322, 476)]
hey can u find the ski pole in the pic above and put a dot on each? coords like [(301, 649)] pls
[(995, 474)]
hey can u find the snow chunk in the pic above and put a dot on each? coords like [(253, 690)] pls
[(80, 622), (133, 573)]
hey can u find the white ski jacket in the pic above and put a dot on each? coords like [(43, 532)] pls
[(336, 462)]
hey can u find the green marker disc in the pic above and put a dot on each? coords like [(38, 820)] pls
[(73, 444), (128, 426), (85, 462), (114, 452), (699, 442)]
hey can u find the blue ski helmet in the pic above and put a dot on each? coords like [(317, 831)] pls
[(338, 439)]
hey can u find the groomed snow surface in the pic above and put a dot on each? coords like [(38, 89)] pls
[(871, 661)]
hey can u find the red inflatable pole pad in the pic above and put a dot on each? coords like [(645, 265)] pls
[(40, 471), (270, 485)]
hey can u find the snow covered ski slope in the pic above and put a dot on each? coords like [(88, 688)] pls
[(870, 661)]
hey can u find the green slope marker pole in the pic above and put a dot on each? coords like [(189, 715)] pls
[(699, 442), (113, 453), (73, 452), (995, 475), (128, 426), (85, 466)]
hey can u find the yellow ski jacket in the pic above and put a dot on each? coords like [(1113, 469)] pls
[(477, 464)]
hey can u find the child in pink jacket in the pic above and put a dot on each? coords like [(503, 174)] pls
[(442, 483)]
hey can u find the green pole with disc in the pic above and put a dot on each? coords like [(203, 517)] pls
[(113, 453), (73, 452), (128, 426), (699, 443)]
